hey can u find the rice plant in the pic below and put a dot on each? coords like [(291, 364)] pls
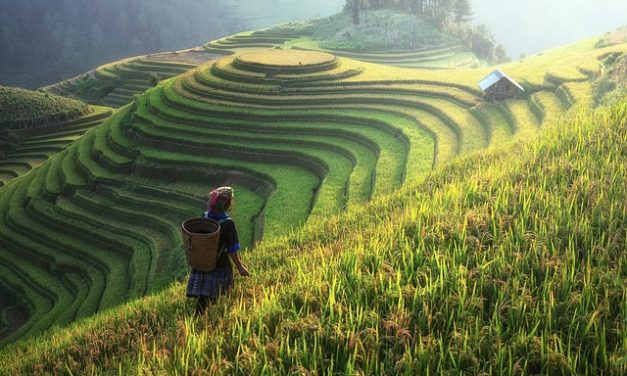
[(301, 140), (509, 261)]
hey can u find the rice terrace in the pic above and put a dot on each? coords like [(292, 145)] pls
[(408, 200)]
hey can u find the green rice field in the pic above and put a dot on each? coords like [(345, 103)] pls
[(323, 151), (509, 261)]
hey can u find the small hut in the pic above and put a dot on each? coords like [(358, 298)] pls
[(498, 86)]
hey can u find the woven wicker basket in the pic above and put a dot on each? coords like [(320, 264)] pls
[(200, 238)]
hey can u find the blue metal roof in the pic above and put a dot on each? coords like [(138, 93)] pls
[(495, 77)]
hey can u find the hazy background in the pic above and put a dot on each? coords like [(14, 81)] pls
[(530, 26), (45, 41), (521, 26), (264, 13)]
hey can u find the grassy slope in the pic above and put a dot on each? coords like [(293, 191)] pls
[(105, 153), (20, 108), (42, 124), (510, 261), (379, 30), (382, 37), (573, 62), (116, 83), (38, 144)]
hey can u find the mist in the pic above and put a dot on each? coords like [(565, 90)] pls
[(528, 27), (522, 27), (259, 14), (44, 41)]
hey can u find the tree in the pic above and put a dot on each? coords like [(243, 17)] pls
[(416, 6), (482, 43), (8, 140), (442, 11), (462, 12), (355, 7)]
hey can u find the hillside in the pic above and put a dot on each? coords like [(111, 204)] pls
[(301, 135), (35, 125), (42, 42), (385, 36), (510, 261), (32, 146), (115, 84), (21, 108)]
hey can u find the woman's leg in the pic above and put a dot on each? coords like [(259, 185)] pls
[(201, 305)]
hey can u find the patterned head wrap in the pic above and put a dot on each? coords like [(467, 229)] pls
[(218, 197)]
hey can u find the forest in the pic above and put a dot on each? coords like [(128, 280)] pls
[(44, 41), (449, 15), (441, 12)]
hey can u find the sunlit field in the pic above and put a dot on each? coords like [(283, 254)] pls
[(506, 262), (397, 216)]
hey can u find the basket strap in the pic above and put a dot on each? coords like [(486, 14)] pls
[(221, 251), (188, 244), (221, 221)]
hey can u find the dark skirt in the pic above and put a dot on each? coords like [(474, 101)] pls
[(210, 284)]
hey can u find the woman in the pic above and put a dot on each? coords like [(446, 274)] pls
[(208, 286)]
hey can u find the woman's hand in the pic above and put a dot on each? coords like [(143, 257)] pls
[(243, 271)]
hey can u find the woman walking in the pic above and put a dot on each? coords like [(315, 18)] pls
[(208, 286)]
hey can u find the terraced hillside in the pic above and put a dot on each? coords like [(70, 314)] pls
[(22, 109), (384, 37), (299, 134), (117, 83), (444, 56), (35, 125), (40, 143), (510, 261)]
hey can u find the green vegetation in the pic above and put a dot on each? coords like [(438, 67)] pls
[(389, 37), (24, 113), (21, 108), (33, 146), (420, 22), (510, 261), (439, 12), (116, 84), (301, 135), (380, 30), (386, 36), (614, 83)]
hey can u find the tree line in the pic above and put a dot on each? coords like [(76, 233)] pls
[(450, 15), (440, 12), (44, 41)]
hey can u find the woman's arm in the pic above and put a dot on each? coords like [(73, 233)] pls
[(240, 267), (232, 247)]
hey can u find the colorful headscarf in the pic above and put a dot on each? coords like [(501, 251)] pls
[(218, 197)]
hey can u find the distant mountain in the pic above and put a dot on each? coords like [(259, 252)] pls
[(44, 41), (264, 13)]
